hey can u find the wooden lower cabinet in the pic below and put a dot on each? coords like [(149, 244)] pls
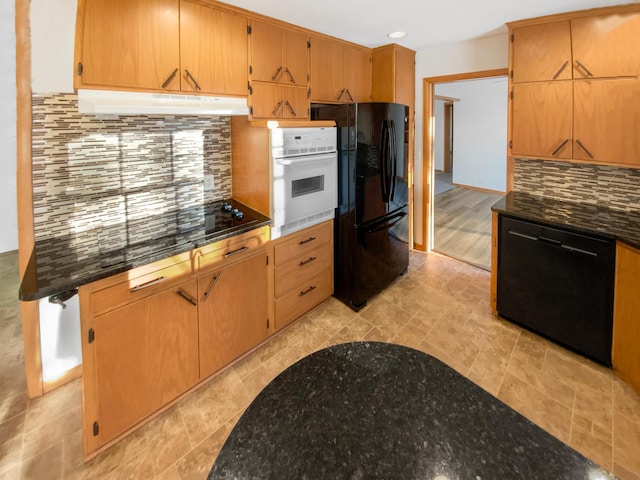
[(233, 311), (144, 355), (303, 271), (626, 316)]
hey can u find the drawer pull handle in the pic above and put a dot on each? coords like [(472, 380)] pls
[(151, 283), (210, 289), (310, 239), (559, 147), (169, 78), (187, 298), (564, 65), (309, 260), (233, 252), (585, 69), (584, 148), (311, 288)]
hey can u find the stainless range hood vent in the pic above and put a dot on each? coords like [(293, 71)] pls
[(110, 102)]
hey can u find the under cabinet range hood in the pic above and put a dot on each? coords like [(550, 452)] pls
[(111, 102)]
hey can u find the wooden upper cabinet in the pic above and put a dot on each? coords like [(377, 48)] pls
[(541, 119), (326, 58), (213, 49), (542, 52), (606, 121), (128, 44), (393, 75), (278, 55), (272, 101), (357, 73), (606, 45)]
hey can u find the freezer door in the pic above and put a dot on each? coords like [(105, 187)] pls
[(380, 254)]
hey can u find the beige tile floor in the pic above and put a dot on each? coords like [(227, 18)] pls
[(439, 307)]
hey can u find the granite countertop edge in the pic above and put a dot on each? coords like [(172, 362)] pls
[(572, 215), (31, 290)]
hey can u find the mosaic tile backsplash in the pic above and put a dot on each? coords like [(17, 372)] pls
[(93, 174), (615, 187)]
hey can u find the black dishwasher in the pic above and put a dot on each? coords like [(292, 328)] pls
[(557, 283)]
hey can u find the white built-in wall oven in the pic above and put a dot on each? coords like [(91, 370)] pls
[(304, 162)]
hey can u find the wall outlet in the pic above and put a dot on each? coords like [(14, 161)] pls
[(208, 183)]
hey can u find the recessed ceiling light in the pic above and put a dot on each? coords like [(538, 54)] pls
[(397, 34)]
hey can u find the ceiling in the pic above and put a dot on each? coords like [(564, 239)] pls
[(428, 23)]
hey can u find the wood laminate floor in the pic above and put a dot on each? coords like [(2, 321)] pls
[(463, 225)]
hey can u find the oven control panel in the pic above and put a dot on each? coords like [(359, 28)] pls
[(286, 142)]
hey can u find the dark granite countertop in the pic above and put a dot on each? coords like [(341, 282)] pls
[(61, 264), (581, 217), (382, 411)]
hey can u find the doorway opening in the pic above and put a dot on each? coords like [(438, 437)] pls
[(465, 162)]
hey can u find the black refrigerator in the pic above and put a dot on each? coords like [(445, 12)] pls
[(372, 219)]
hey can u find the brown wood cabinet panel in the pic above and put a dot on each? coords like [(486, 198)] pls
[(405, 77), (542, 52), (213, 49), (299, 269), (296, 103), (273, 101), (130, 43), (295, 58), (326, 58), (302, 243), (626, 327), (607, 45), (145, 355), (266, 48), (606, 122), (357, 74), (300, 300), (233, 317), (541, 119)]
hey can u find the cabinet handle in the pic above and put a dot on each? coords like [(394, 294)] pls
[(309, 260), (310, 239), (238, 250), (584, 148), (564, 65), (169, 78), (275, 110), (275, 75), (559, 147), (187, 298), (293, 112), (341, 93), (311, 288), (288, 72), (350, 97), (151, 283), (580, 65), (210, 289), (189, 76)]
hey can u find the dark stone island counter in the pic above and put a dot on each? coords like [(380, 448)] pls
[(62, 264), (369, 410), (580, 217)]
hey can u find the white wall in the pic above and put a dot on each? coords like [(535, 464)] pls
[(480, 132), (486, 53), (438, 134), (8, 195)]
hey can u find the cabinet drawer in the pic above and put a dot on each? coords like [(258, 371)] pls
[(303, 242), (302, 299), (231, 247), (302, 268), (138, 287)]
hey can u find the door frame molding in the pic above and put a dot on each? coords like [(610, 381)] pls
[(428, 132)]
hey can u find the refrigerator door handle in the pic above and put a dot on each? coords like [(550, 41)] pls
[(388, 223), (393, 153), (384, 150)]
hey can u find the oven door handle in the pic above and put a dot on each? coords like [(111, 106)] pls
[(306, 159)]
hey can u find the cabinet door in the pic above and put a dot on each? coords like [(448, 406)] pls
[(541, 119), (542, 52), (295, 58), (606, 121), (266, 48), (266, 100), (233, 312), (131, 43), (146, 354), (405, 77), (357, 74), (326, 70), (296, 103), (607, 45), (213, 50)]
